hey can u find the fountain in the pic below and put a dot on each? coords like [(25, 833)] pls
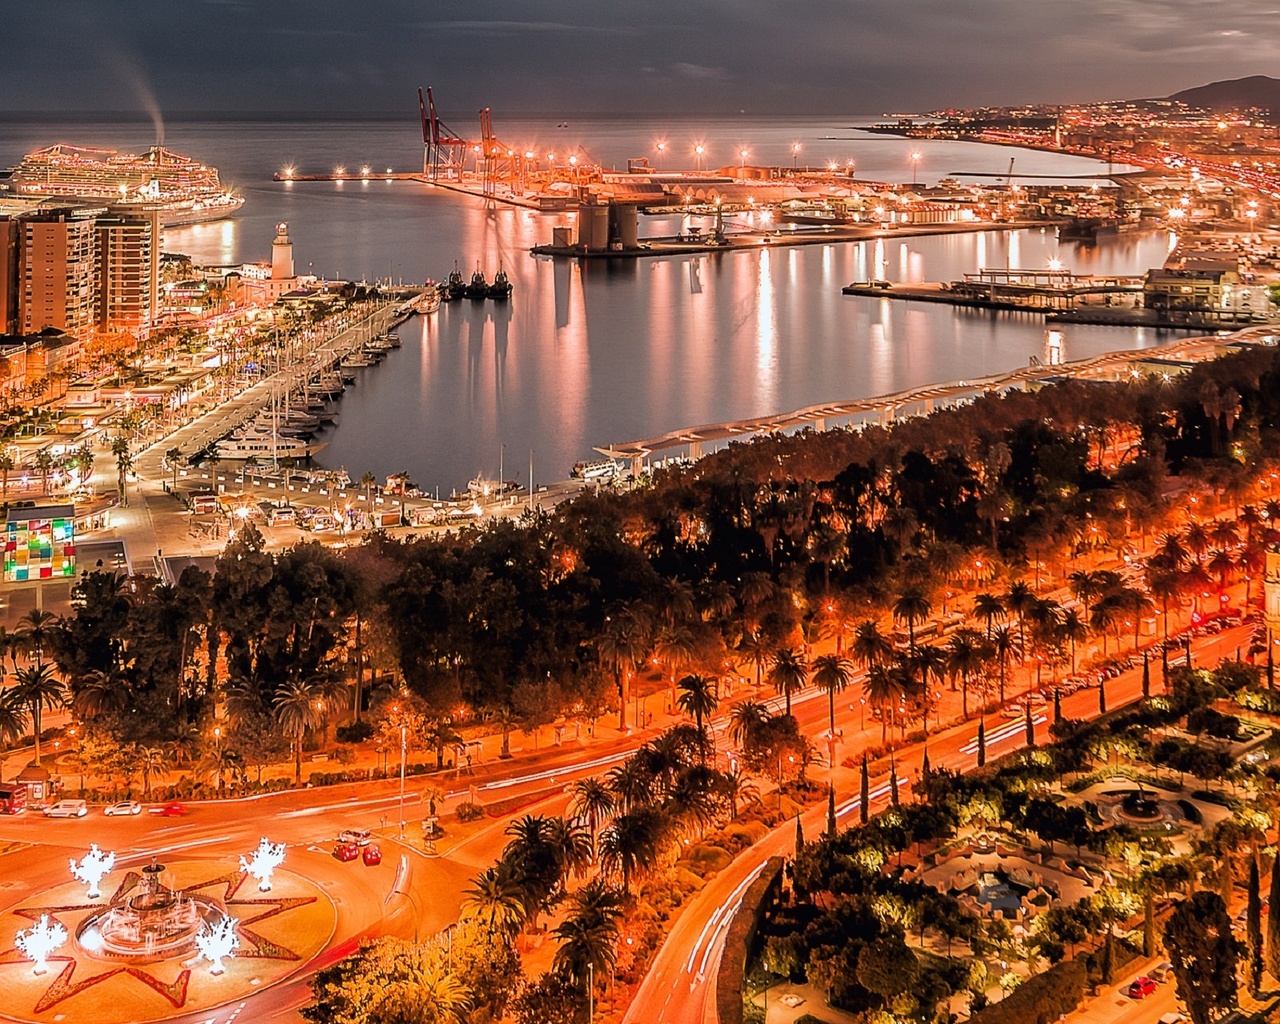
[(40, 941), (93, 868), (151, 923)]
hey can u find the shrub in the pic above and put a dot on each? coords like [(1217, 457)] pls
[(1043, 998), (469, 812), (1190, 811), (354, 732)]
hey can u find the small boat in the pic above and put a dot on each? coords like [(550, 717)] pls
[(356, 362), (261, 448), (429, 300), (392, 339), (478, 288), (455, 287), (500, 290)]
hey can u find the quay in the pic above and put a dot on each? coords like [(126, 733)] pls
[(884, 409), (1059, 296), (825, 235)]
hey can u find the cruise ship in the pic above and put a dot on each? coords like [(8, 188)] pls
[(176, 187)]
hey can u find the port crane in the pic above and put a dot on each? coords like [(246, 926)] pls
[(444, 150)]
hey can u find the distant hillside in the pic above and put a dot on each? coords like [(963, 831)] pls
[(1254, 91)]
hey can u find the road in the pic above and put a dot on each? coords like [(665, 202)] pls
[(680, 985)]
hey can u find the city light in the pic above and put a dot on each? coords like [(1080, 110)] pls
[(93, 868), (39, 942), (217, 942), (263, 863)]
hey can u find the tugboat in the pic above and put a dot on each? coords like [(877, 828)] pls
[(478, 289), (500, 290), (455, 288)]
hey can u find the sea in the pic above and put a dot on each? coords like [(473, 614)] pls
[(591, 354)]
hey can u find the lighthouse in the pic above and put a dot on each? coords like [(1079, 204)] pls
[(282, 254)]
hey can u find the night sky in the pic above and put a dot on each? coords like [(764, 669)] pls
[(583, 56)]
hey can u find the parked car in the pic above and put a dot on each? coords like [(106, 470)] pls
[(67, 809), (1173, 1018), (169, 810), (372, 855), (1162, 974), (358, 836), (123, 807), (346, 851), (1140, 988)]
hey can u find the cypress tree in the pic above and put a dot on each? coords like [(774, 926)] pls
[(1057, 706), (982, 742), (1146, 676), (1271, 667), (1164, 668), (893, 783), (1149, 924), (1253, 928), (1031, 727), (1108, 966), (863, 811), (832, 827), (1102, 696), (1273, 922), (924, 763)]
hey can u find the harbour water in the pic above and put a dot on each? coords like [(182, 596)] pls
[(588, 355)]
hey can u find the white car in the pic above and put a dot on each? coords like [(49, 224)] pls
[(123, 807), (356, 836), (67, 809)]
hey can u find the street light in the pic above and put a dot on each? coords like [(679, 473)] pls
[(662, 148), (915, 166), (743, 153), (795, 149), (698, 150)]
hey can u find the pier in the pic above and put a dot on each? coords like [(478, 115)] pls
[(1037, 291), (884, 409)]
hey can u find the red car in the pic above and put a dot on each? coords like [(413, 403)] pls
[(372, 855), (1141, 988), (173, 810), (346, 851)]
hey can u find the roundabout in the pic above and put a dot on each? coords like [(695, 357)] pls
[(150, 946)]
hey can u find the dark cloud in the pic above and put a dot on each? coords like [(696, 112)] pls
[(568, 56)]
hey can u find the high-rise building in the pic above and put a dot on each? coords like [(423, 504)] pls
[(128, 272), (10, 276), (60, 271)]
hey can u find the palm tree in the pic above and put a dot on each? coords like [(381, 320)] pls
[(496, 899), (588, 935), (746, 716), (965, 656), (735, 786), (121, 449), (297, 707), (368, 480), (1165, 586), (1085, 586), (632, 843), (151, 761), (631, 783), (758, 650), (44, 464), (1105, 617), (13, 717), (990, 609), (911, 607), (593, 803), (7, 466), (620, 646), (173, 456), (870, 646), (832, 673), (1020, 600), (1005, 647), (1074, 630), (883, 691), (674, 647), (697, 698), (39, 690), (34, 631), (788, 673), (573, 848)]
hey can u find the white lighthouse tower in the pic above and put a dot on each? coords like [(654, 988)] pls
[(282, 254)]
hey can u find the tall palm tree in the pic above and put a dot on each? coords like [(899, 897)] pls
[(883, 691), (123, 452), (746, 716), (990, 609), (632, 784), (757, 649), (35, 629), (7, 466), (697, 698), (38, 689), (593, 803), (965, 657), (1019, 599), (588, 935), (1006, 647), (13, 717), (632, 843), (1074, 630), (736, 786), (1085, 586), (674, 647), (788, 673), (573, 848), (911, 607), (870, 646), (832, 673), (151, 761), (621, 646), (495, 898), (297, 707)]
